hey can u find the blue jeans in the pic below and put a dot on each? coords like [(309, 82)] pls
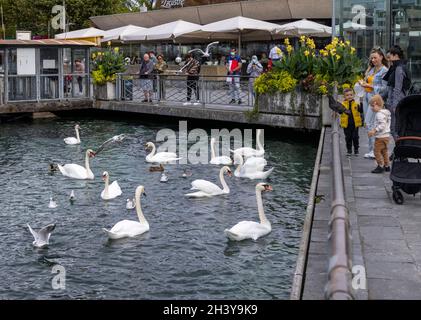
[(234, 88)]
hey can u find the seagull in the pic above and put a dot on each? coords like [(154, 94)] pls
[(42, 236), (164, 177), (206, 53), (130, 204), (112, 140), (52, 203)]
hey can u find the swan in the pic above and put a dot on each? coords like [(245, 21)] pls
[(42, 236), (110, 191), (209, 189), (130, 204), (130, 228), (250, 229), (218, 160), (252, 170), (73, 140), (160, 157), (164, 177), (76, 171), (250, 152), (52, 203)]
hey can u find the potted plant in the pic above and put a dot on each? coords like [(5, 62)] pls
[(106, 65)]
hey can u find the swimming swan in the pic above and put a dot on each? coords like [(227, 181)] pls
[(130, 228), (160, 157), (248, 152), (252, 168), (218, 160), (76, 171), (73, 140), (209, 189), (110, 191), (250, 229)]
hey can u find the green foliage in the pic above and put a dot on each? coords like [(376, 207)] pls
[(274, 81), (253, 115), (106, 64), (36, 15)]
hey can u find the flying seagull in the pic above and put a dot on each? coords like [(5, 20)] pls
[(206, 53), (42, 236), (110, 141)]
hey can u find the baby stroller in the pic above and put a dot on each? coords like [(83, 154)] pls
[(406, 166)]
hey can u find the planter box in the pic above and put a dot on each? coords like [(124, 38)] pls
[(296, 109), (105, 92)]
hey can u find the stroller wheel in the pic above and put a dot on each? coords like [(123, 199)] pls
[(397, 197)]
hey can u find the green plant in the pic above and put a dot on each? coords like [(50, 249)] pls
[(274, 81), (106, 65), (253, 115)]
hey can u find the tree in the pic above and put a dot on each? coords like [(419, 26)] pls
[(36, 15)]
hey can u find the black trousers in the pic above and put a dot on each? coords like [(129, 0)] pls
[(351, 137), (192, 84)]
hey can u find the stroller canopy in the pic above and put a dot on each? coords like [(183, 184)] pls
[(408, 116)]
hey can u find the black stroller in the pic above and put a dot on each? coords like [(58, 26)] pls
[(406, 165)]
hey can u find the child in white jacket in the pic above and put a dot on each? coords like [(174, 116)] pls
[(381, 132)]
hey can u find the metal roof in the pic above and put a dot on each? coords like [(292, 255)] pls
[(45, 42), (267, 10)]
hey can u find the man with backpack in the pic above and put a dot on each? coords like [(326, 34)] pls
[(398, 83)]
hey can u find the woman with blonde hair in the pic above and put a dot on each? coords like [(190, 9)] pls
[(373, 84)]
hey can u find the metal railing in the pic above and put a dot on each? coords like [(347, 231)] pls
[(200, 90), (339, 286)]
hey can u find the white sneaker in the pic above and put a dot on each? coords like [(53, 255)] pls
[(187, 103), (197, 103), (369, 155)]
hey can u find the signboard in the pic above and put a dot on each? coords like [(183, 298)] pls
[(23, 35), (25, 61), (169, 4)]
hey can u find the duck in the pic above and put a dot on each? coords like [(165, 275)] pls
[(156, 168), (72, 196), (160, 157), (209, 189), (224, 160), (73, 140), (76, 171), (110, 191), (248, 152), (130, 228), (251, 229)]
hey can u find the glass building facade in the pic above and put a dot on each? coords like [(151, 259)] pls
[(372, 23)]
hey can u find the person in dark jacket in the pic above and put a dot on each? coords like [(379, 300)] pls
[(192, 68), (395, 83)]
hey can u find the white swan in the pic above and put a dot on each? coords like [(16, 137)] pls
[(52, 203), (209, 189), (110, 191), (252, 169), (41, 237), (76, 171), (130, 228), (218, 160), (250, 229), (130, 204), (160, 157), (73, 140), (250, 152)]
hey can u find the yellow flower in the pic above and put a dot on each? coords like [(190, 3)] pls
[(335, 40), (338, 57), (323, 89), (286, 41), (116, 49), (310, 43), (302, 38), (345, 86), (289, 48), (313, 54), (347, 42), (323, 52), (306, 53), (329, 47), (93, 55), (352, 49)]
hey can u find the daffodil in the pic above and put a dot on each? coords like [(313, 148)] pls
[(306, 53), (347, 42), (289, 48), (323, 52), (116, 49), (302, 38), (352, 49), (338, 57), (286, 41)]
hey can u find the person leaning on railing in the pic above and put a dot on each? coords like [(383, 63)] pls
[(192, 68), (160, 68), (146, 68)]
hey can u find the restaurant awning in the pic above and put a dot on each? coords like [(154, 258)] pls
[(121, 33)]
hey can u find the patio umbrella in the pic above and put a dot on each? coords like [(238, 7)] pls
[(121, 33), (80, 34), (304, 27), (166, 31), (239, 27)]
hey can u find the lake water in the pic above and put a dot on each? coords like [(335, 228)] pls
[(185, 255)]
